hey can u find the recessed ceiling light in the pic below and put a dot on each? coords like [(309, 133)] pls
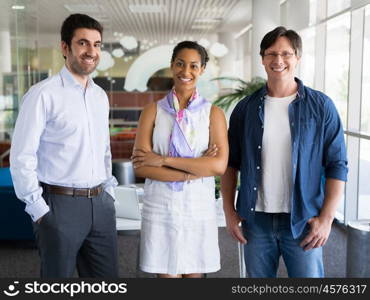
[(202, 26), (129, 42), (147, 8), (204, 42), (87, 8), (207, 20), (212, 10), (118, 52), (18, 7), (218, 50)]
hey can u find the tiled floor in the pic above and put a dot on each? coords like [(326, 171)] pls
[(20, 259)]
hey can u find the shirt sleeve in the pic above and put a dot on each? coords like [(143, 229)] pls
[(110, 181), (234, 135), (23, 153), (335, 156)]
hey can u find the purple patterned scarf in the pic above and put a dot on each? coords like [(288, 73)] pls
[(179, 145)]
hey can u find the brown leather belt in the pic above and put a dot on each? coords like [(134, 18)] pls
[(75, 192)]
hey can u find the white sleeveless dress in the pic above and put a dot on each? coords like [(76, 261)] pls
[(179, 233)]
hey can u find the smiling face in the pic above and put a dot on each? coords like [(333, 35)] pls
[(83, 55), (280, 60), (186, 68)]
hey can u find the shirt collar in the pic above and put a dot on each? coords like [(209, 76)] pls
[(300, 92), (69, 80)]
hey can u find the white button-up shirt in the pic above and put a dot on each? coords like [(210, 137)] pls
[(61, 138)]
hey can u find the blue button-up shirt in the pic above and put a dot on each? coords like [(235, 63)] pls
[(317, 145)]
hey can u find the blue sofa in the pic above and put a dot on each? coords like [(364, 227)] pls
[(15, 223)]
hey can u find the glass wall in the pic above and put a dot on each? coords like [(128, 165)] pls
[(344, 37), (307, 65), (365, 104), (20, 64), (364, 164), (134, 70), (364, 177), (337, 63), (336, 6)]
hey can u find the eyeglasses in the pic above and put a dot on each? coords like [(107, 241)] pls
[(284, 55)]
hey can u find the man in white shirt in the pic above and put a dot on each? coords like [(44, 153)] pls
[(60, 161), (287, 142)]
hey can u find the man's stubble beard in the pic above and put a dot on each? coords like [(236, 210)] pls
[(79, 69)]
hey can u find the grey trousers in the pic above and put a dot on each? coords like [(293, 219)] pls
[(78, 232)]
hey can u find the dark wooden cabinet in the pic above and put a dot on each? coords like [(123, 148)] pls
[(126, 107), (125, 110)]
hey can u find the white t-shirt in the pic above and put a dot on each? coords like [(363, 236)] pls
[(276, 188)]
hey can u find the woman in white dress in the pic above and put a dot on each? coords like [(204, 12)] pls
[(181, 144)]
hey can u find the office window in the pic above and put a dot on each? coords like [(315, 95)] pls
[(313, 12), (336, 6), (307, 66), (337, 63), (365, 105), (364, 176), (364, 164), (20, 67), (341, 206)]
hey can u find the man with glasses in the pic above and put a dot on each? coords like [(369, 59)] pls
[(287, 142), (61, 161)]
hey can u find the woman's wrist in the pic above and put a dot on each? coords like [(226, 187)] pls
[(187, 177), (193, 177), (164, 160)]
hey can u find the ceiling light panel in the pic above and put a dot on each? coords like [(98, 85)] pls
[(147, 8)]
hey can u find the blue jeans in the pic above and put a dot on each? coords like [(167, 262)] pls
[(269, 237)]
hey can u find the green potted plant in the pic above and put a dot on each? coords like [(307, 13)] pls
[(245, 88)]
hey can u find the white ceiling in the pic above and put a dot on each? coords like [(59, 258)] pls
[(177, 18)]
